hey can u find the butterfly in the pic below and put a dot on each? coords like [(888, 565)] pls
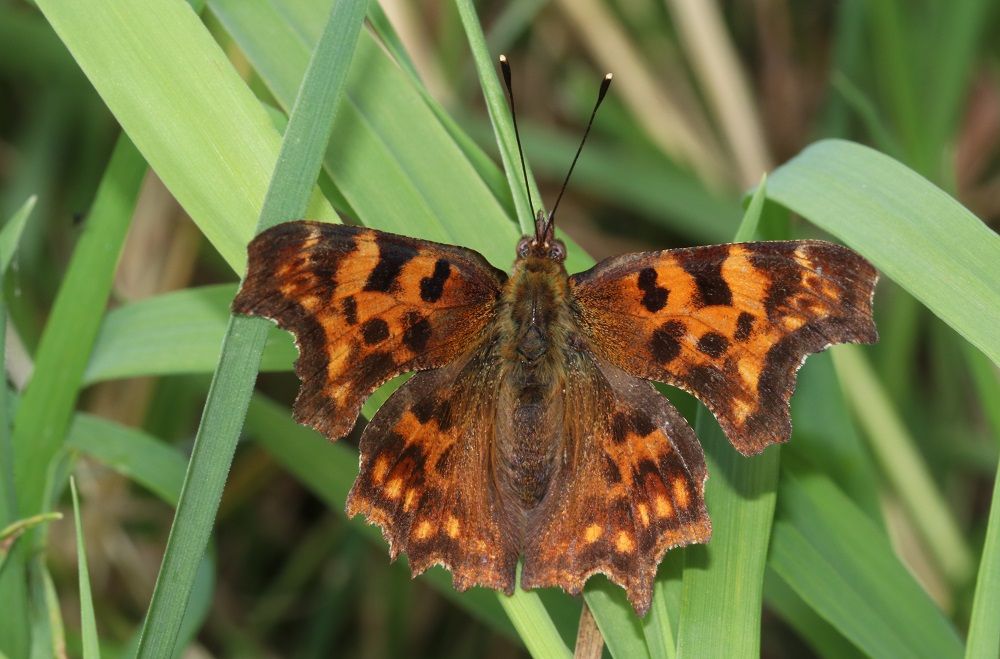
[(531, 430)]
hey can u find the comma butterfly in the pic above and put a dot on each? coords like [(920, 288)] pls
[(531, 431)]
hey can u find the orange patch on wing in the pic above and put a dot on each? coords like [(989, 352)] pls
[(394, 488), (424, 530), (643, 514), (592, 533), (409, 500), (379, 469), (680, 492), (624, 542), (663, 507), (452, 527)]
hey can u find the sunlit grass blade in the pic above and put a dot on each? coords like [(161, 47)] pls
[(912, 231), (88, 621), (194, 120), (288, 196), (724, 580)]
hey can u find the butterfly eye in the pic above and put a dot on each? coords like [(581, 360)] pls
[(557, 251), (523, 247)]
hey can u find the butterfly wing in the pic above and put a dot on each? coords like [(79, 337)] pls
[(424, 474), (630, 486), (729, 323), (364, 306)]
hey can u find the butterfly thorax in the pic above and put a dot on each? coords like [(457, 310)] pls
[(535, 326)]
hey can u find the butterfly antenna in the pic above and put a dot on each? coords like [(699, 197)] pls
[(505, 68), (600, 97)]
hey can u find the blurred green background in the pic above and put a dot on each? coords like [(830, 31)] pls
[(896, 445)]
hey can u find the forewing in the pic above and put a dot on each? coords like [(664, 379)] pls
[(364, 306), (424, 475), (729, 323), (630, 486)]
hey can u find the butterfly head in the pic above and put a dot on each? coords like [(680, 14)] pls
[(543, 244)]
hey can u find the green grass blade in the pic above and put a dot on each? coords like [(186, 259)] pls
[(132, 453), (670, 195), (10, 236), (13, 531), (621, 629), (48, 638), (159, 468), (912, 231), (13, 627), (903, 465), (751, 219), (503, 126), (836, 559), (533, 624), (47, 406), (177, 332), (288, 197), (404, 172), (817, 632), (661, 621), (193, 118), (724, 580), (958, 35), (88, 622), (984, 626), (892, 54)]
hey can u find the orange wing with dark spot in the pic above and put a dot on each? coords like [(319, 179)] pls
[(424, 475), (630, 487), (364, 306), (729, 323)]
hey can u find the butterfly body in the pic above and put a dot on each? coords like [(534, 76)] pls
[(530, 431), (535, 324)]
